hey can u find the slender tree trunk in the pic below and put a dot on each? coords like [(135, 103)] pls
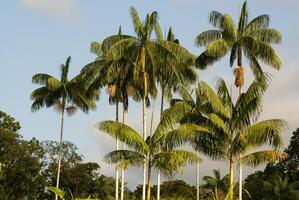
[(142, 59), (197, 180), (123, 169), (231, 177), (149, 182), (240, 180), (116, 168), (60, 146), (240, 164), (159, 173)]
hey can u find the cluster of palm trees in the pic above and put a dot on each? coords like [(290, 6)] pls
[(210, 121)]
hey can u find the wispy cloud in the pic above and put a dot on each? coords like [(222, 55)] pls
[(55, 8)]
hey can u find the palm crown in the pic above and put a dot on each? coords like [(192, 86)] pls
[(251, 38), (227, 129), (58, 93), (153, 150)]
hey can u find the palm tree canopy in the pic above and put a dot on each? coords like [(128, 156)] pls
[(253, 38), (168, 160), (57, 92), (231, 127), (172, 75), (144, 51)]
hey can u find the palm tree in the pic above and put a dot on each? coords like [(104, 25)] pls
[(232, 127), (216, 185), (170, 78), (181, 107), (167, 160), (280, 188), (146, 54), (117, 75), (251, 38), (58, 94)]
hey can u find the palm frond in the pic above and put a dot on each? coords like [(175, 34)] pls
[(205, 91), (206, 37), (230, 32), (267, 35), (267, 54), (120, 156), (112, 40), (41, 79), (53, 84), (172, 161), (216, 19), (186, 133), (261, 21), (261, 157), (265, 132), (243, 20), (204, 60), (123, 133), (217, 48), (138, 28)]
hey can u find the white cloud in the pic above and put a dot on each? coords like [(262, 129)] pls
[(56, 8)]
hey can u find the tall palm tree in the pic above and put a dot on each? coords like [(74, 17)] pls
[(146, 54), (167, 160), (216, 185), (251, 38), (117, 76), (232, 126), (170, 78), (179, 108), (58, 94)]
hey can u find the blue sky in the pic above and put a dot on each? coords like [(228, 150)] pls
[(38, 35)]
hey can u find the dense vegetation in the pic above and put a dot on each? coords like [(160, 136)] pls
[(34, 164)]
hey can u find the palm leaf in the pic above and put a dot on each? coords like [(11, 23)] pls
[(172, 161), (265, 132), (121, 157), (41, 79), (124, 134), (138, 28), (206, 37), (261, 157)]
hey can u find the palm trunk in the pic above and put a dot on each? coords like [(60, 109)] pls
[(60, 146), (159, 173), (240, 164), (231, 177), (240, 180), (149, 182), (117, 148), (197, 180), (142, 59), (123, 169)]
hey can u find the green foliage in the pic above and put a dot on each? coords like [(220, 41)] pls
[(168, 160), (22, 161), (171, 190), (8, 123), (279, 180), (251, 38), (215, 187), (56, 93)]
